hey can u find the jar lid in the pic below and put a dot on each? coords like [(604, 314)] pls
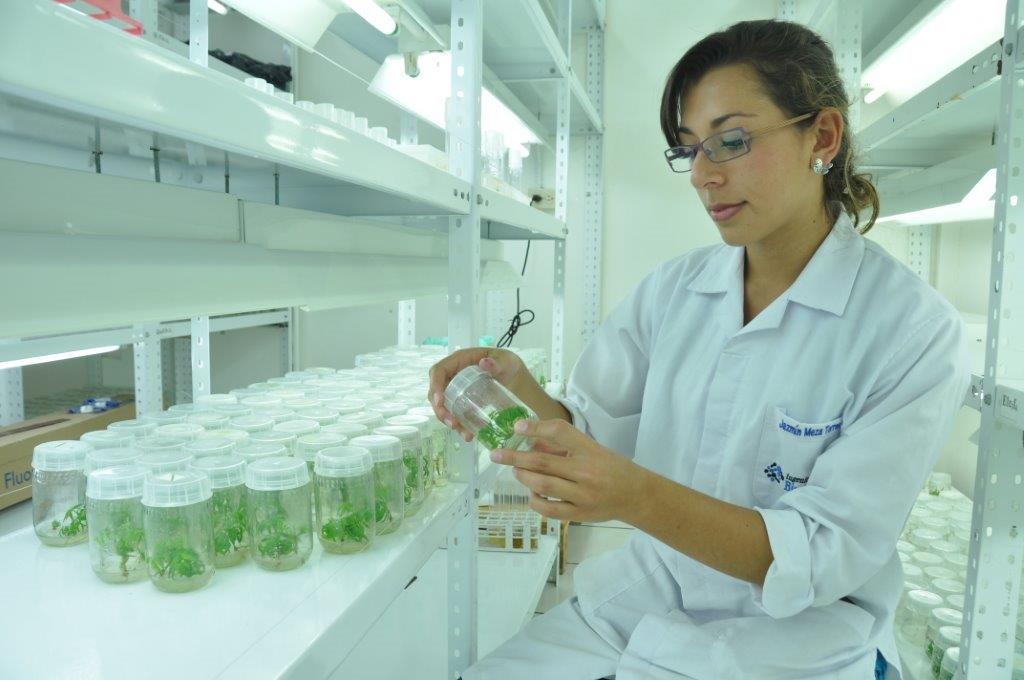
[(241, 393), (155, 443), (955, 601), (348, 429), (421, 423), (345, 406), (209, 446), (158, 462), (301, 403), (60, 455), (297, 427), (286, 394), (920, 511), (136, 427), (228, 433), (273, 436), (116, 482), (103, 458), (926, 558), (322, 370), (107, 439), (318, 413), (256, 422), (330, 393), (944, 547), (276, 473), (938, 524), (343, 461), (188, 408), (956, 559), (936, 573), (304, 374), (461, 382), (279, 414), (262, 402), (215, 401), (176, 489), (945, 616), (927, 535), (925, 597), (367, 418), (912, 585), (904, 547), (187, 431), (950, 635), (951, 659), (233, 410), (307, 446), (256, 450), (209, 419), (389, 409), (409, 436), (383, 448), (947, 586), (224, 471), (435, 424), (163, 417), (912, 571)]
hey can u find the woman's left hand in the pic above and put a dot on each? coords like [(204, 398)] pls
[(589, 481)]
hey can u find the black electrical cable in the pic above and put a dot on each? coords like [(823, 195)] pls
[(517, 320)]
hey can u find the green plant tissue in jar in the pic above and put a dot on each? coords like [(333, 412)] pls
[(117, 546), (487, 409), (178, 524), (388, 479), (58, 492), (345, 500), (230, 513), (422, 424), (412, 459), (280, 516)]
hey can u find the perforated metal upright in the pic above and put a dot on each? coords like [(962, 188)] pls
[(463, 127), (994, 567), (200, 331), (593, 189), (149, 384), (563, 29), (12, 405)]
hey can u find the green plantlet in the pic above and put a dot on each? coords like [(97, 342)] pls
[(74, 522), (502, 427), (174, 559), (229, 523), (349, 527), (274, 537), (412, 469), (382, 510), (123, 538)]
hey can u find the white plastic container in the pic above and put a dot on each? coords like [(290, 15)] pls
[(159, 462), (186, 431), (253, 423), (923, 538), (955, 601), (262, 402), (178, 525), (228, 505), (58, 492), (215, 401), (319, 414), (136, 428), (438, 434), (163, 417), (97, 459), (422, 424), (936, 523), (487, 409), (209, 420), (947, 637), (946, 587), (206, 446), (349, 430), (297, 428), (412, 459), (389, 479), (957, 562), (912, 572), (107, 439), (345, 500), (950, 664), (117, 543), (940, 616), (919, 605), (925, 559), (254, 451), (280, 515)]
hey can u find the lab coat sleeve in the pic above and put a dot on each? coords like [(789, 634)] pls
[(606, 388), (830, 536)]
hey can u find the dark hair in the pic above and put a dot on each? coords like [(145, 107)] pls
[(798, 72)]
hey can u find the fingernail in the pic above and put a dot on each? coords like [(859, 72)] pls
[(520, 427), (496, 456)]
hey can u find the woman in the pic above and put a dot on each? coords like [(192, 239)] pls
[(764, 411)]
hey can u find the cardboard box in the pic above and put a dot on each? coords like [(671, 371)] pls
[(18, 441)]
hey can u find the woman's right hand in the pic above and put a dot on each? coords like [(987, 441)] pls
[(504, 366)]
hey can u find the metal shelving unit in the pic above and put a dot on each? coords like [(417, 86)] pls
[(271, 207)]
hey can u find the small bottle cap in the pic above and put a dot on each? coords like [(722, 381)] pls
[(255, 450), (228, 433), (308, 445), (215, 401), (284, 439), (256, 422), (60, 455), (116, 483), (104, 458), (224, 471), (428, 413), (409, 436), (461, 382), (279, 414), (344, 407), (301, 403), (343, 461), (276, 473), (383, 448), (233, 410), (319, 414), (187, 431), (209, 420), (262, 402), (297, 427), (348, 429), (136, 427), (419, 422), (209, 446), (163, 417), (370, 420), (107, 439), (159, 462), (176, 489), (154, 444)]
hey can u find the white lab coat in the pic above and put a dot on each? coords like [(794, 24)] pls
[(825, 413)]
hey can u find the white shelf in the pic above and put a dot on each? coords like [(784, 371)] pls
[(506, 218), (247, 623), (139, 95), (509, 587)]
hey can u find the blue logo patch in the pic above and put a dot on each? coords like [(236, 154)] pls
[(776, 474)]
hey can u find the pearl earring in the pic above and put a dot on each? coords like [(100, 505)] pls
[(819, 167)]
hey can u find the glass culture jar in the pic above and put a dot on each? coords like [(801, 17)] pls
[(230, 513), (487, 409), (940, 616), (422, 424), (345, 502), (439, 438), (58, 492), (920, 604), (117, 543), (949, 665), (946, 638), (107, 439), (136, 428), (178, 523), (285, 439), (159, 462), (102, 458), (412, 459), (388, 477), (280, 515)]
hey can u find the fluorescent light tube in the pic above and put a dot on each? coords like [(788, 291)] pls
[(47, 358), (943, 214), (874, 95), (374, 15), (217, 7)]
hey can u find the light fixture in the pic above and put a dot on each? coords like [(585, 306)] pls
[(217, 7), (47, 358), (302, 22), (873, 95), (425, 96), (943, 214), (950, 34), (373, 14), (984, 190)]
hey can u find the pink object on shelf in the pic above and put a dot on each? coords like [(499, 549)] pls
[(109, 10)]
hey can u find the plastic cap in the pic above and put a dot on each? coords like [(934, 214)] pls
[(279, 414), (343, 461), (287, 394), (215, 400), (262, 402), (154, 443), (209, 420), (912, 571), (107, 439), (176, 489), (163, 417), (60, 455), (389, 409), (186, 431), (926, 558), (461, 382), (346, 405), (256, 422), (320, 414), (136, 427), (955, 601), (233, 410), (945, 616), (370, 420), (117, 482), (951, 659), (241, 393), (950, 635), (409, 436), (301, 403), (297, 427), (308, 445), (228, 433), (102, 458), (421, 423), (348, 429), (209, 446), (188, 408), (382, 447), (925, 599), (159, 462), (428, 413), (276, 473), (224, 471), (273, 437), (947, 586), (256, 450)]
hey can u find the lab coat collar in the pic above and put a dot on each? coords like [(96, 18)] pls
[(825, 283)]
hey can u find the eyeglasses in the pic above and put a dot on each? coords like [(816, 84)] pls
[(723, 146)]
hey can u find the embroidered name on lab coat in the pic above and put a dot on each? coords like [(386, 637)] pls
[(800, 430)]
